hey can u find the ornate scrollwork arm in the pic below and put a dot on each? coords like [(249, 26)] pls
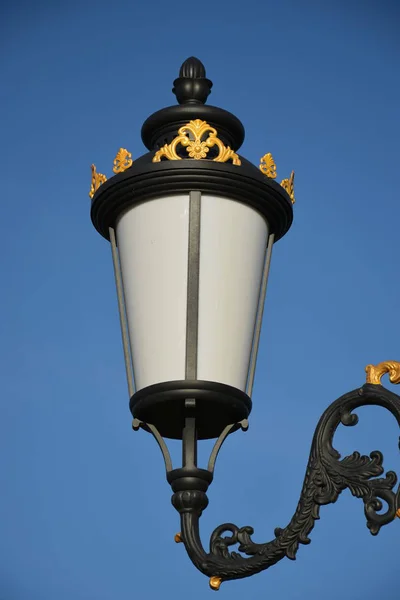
[(327, 475)]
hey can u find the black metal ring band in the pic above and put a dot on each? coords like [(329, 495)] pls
[(146, 180), (163, 404)]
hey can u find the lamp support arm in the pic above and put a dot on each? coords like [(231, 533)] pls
[(327, 475)]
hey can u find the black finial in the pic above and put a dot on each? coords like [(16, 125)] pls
[(193, 68), (192, 87)]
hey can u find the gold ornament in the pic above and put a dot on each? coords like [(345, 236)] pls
[(215, 583), (376, 372), (190, 137), (288, 185), (268, 166), (122, 161), (97, 180)]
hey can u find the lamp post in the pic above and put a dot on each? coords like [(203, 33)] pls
[(192, 225)]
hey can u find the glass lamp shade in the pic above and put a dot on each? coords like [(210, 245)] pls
[(191, 267)]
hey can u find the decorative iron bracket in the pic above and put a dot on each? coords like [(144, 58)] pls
[(327, 475)]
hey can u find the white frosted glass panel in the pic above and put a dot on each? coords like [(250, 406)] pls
[(153, 245), (232, 249)]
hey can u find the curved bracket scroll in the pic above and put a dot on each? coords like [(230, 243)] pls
[(244, 425), (137, 424), (327, 475)]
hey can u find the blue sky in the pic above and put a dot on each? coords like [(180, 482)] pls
[(85, 508)]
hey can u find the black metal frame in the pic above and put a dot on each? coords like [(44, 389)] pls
[(327, 475), (145, 180), (191, 409), (164, 406)]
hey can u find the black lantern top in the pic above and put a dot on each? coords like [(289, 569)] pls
[(191, 89), (192, 146)]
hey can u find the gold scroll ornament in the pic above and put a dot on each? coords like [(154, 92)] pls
[(268, 166), (191, 136), (288, 185), (122, 161), (376, 372), (97, 180)]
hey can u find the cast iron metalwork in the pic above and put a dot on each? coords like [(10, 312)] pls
[(190, 409), (163, 405), (142, 180), (327, 475), (191, 90)]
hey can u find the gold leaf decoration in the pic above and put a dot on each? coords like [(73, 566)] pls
[(376, 372), (268, 166), (122, 161), (191, 136), (288, 185), (97, 180)]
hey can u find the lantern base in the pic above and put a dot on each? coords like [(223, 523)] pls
[(163, 405)]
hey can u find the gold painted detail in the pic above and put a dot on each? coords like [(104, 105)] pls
[(97, 180), (215, 583), (376, 372), (268, 166), (398, 513), (178, 538), (288, 185), (122, 161), (192, 137)]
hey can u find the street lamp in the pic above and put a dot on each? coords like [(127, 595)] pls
[(192, 226)]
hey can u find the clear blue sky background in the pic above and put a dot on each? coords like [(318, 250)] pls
[(85, 509)]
